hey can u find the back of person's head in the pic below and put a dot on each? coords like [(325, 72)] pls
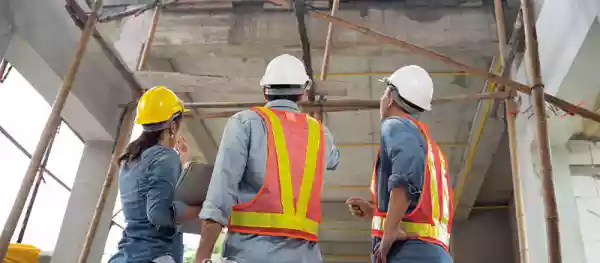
[(411, 88), (285, 78), (160, 112)]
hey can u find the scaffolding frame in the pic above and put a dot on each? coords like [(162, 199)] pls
[(507, 87)]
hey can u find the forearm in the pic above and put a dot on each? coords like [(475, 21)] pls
[(396, 208), (210, 233)]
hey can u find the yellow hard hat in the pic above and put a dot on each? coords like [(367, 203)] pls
[(158, 104)]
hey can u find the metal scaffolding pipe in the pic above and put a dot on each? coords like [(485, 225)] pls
[(34, 191), (125, 128), (539, 108), (370, 104), (510, 110), (49, 131)]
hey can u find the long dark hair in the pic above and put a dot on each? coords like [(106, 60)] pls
[(146, 140)]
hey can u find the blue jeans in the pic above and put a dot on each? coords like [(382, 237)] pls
[(415, 251)]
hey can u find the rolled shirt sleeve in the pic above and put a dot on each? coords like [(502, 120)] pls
[(229, 168), (333, 154), (164, 170), (402, 144)]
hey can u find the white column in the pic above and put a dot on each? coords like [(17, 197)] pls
[(571, 240), (82, 202)]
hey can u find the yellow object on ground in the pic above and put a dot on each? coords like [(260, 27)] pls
[(21, 253)]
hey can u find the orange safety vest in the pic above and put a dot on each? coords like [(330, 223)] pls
[(432, 218), (289, 202)]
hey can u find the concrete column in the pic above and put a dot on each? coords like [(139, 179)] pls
[(572, 246), (5, 27), (82, 202)]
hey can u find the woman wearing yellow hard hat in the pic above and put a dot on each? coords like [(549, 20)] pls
[(149, 170)]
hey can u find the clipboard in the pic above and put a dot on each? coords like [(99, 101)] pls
[(192, 185), (191, 189)]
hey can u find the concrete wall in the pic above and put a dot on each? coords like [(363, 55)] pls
[(565, 43), (584, 158), (483, 238)]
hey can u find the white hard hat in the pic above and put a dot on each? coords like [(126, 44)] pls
[(414, 85), (285, 70)]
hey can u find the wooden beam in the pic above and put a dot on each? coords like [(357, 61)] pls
[(371, 104), (179, 82)]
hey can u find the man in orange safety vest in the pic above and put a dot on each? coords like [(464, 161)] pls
[(266, 184), (411, 211)]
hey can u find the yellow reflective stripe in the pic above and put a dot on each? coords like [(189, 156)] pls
[(273, 220), (426, 230), (433, 190), (446, 197), (437, 231), (285, 176), (310, 164)]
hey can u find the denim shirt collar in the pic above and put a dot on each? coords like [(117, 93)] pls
[(287, 105)]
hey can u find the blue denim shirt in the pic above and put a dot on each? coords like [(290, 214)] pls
[(147, 188), (238, 175), (401, 163)]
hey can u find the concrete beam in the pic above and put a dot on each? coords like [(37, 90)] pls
[(198, 129), (267, 34), (82, 202), (5, 27), (46, 44), (484, 138)]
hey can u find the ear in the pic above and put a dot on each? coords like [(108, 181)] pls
[(390, 102), (173, 127)]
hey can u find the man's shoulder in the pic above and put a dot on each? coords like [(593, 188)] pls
[(246, 116), (398, 124)]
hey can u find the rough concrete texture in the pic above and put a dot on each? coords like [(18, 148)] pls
[(271, 33), (483, 238)]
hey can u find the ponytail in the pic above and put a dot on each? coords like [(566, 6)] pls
[(135, 148), (146, 140)]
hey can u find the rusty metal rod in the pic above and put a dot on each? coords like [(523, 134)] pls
[(328, 40), (49, 131), (535, 77), (227, 114), (371, 104), (36, 188), (514, 42), (125, 128), (564, 105), (510, 113), (325, 65)]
